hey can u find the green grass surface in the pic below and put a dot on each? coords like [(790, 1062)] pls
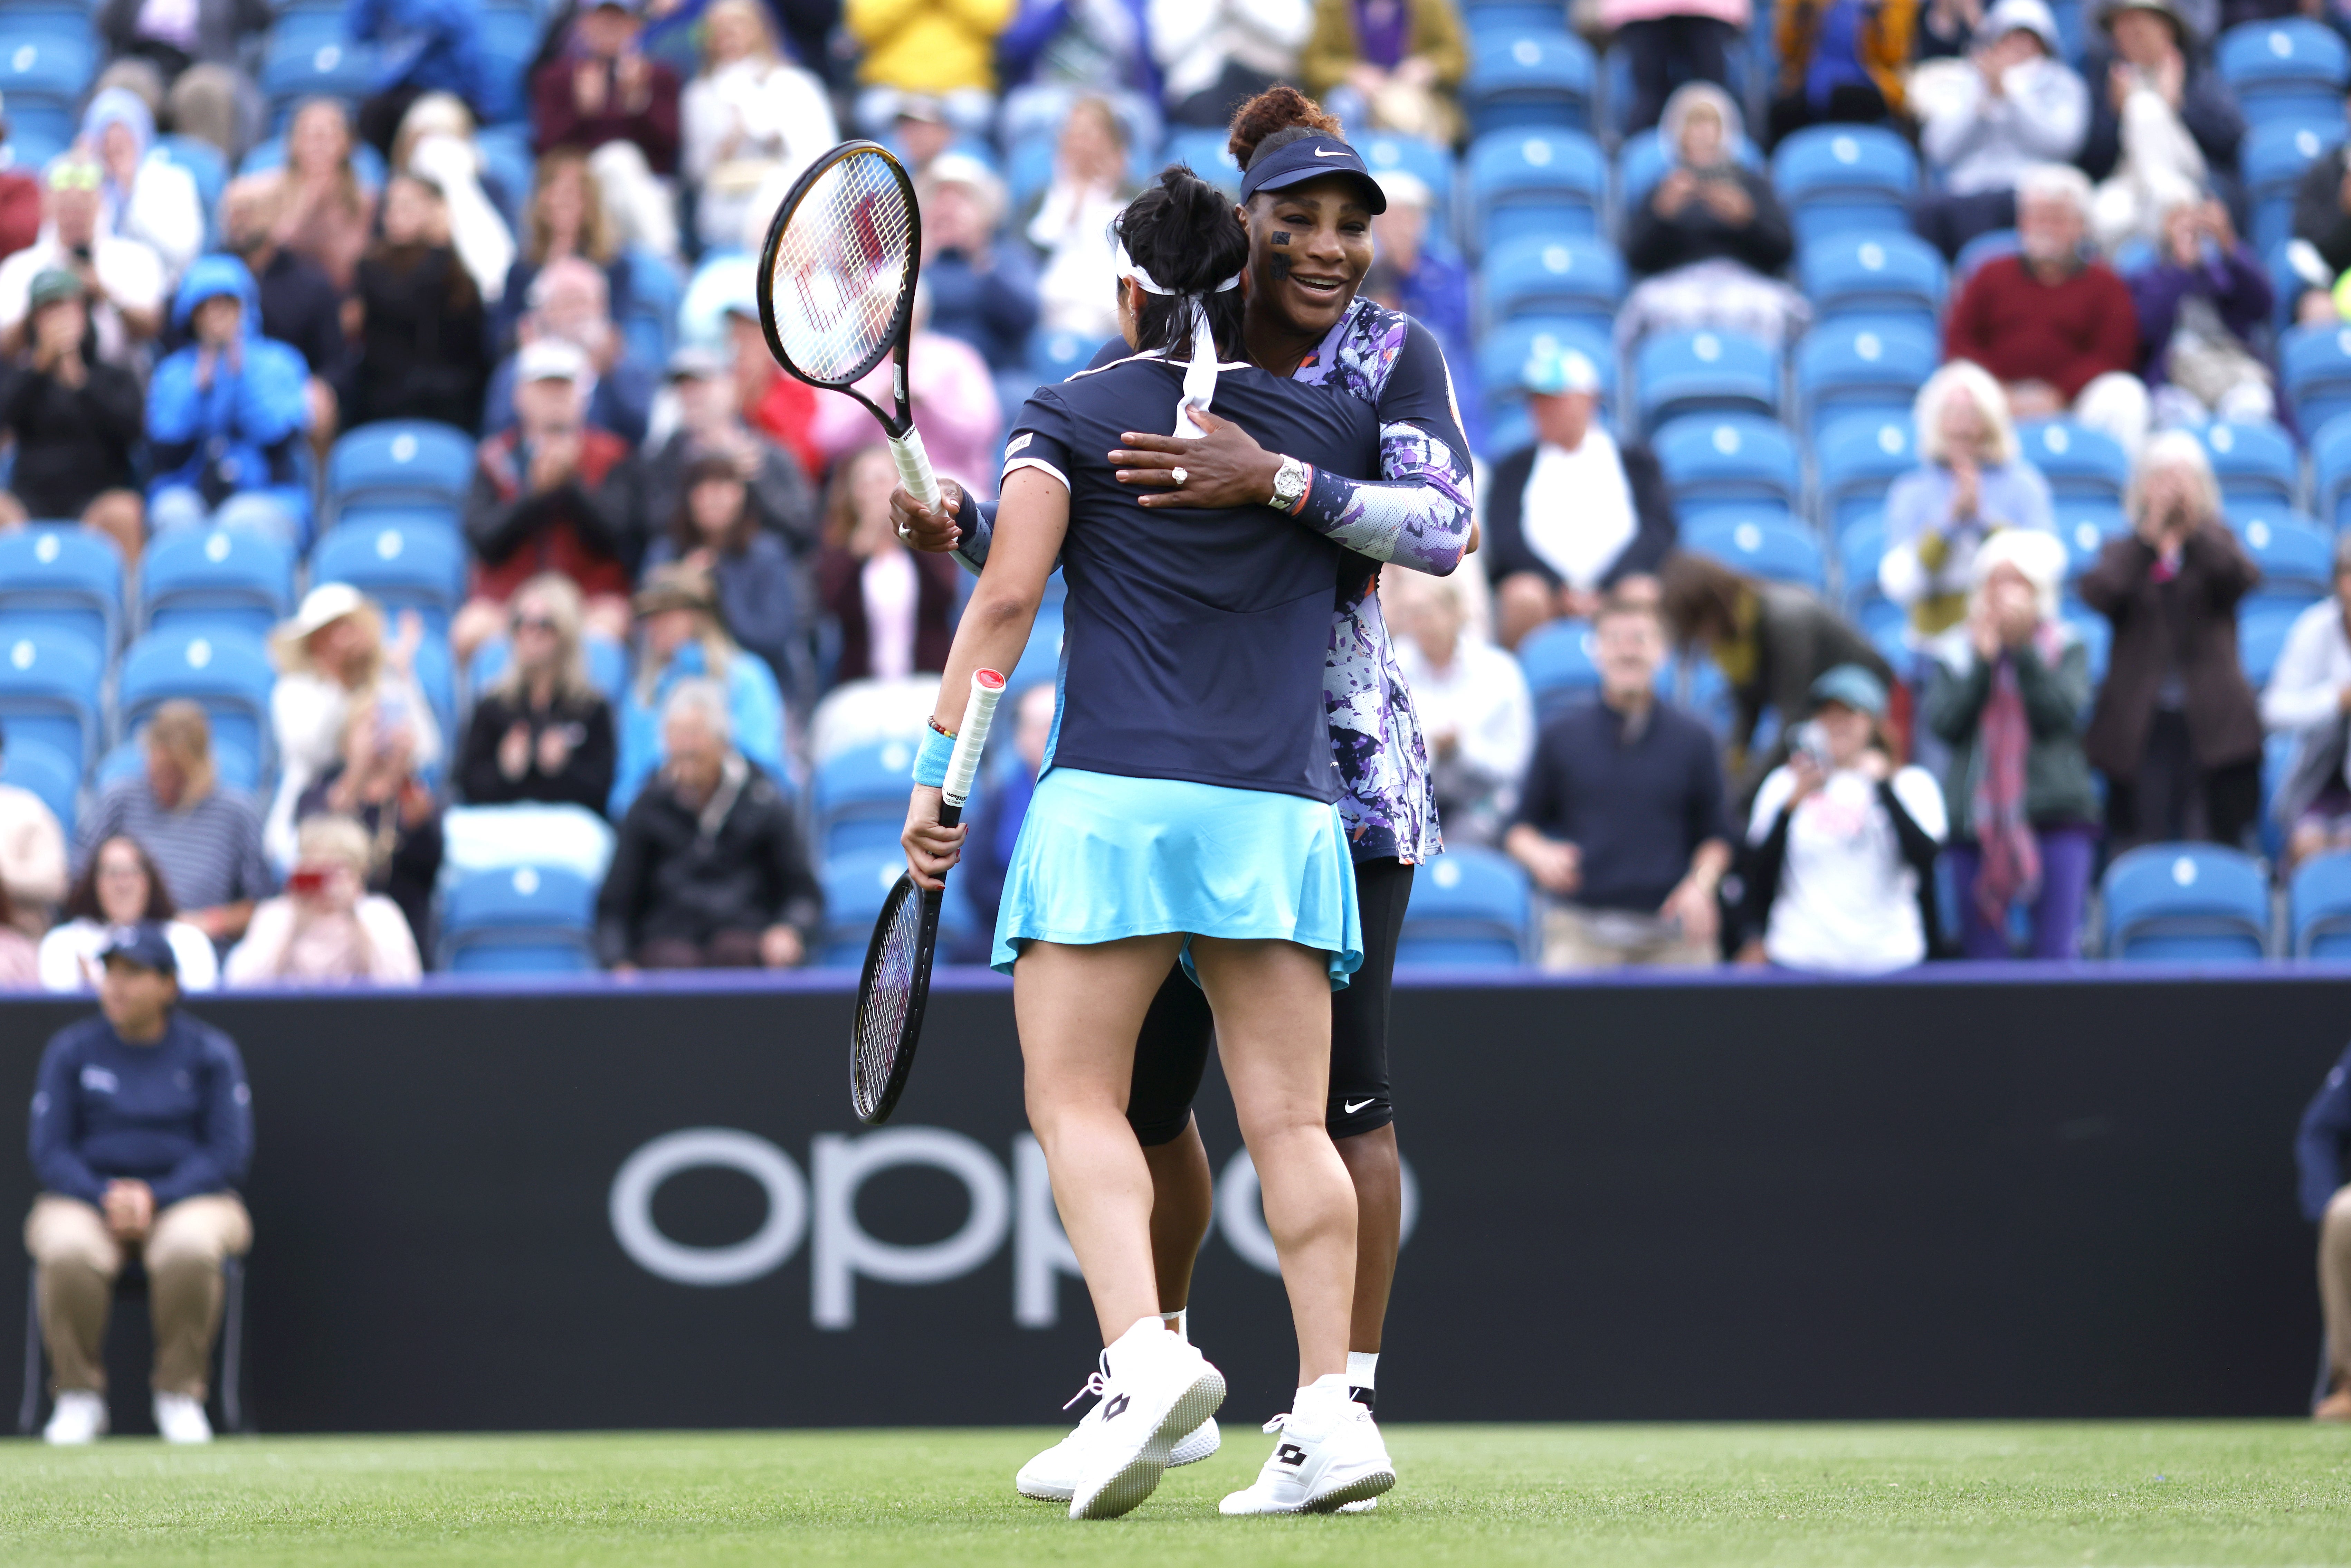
[(2164, 1493)]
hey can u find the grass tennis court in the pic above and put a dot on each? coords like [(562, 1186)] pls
[(2165, 1493)]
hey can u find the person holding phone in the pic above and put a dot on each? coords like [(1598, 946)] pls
[(2203, 306), (326, 928)]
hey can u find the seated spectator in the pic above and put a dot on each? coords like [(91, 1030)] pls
[(893, 605), (421, 354), (2322, 1157), (1070, 225), (952, 395), (2176, 731), (681, 639), (751, 121), (333, 660), (20, 204), (227, 414), (32, 856), (145, 196), (1396, 64), (1698, 37), (2203, 309), (715, 532), (981, 292), (1844, 61), (943, 50), (205, 838), (1004, 805), (541, 731), (2012, 105), (327, 928), (1432, 283), (300, 305), (537, 501), (2309, 697), (1621, 816), (1712, 233), (76, 423), (1971, 482), (426, 47), (1216, 55), (569, 303), (2059, 333), (710, 425), (374, 784), (1769, 639), (143, 1129), (199, 51), (1476, 715), (711, 869), (118, 887), (920, 126), (2007, 699), (1572, 517), (1055, 56), (2164, 126), (782, 408), (327, 214), (2321, 253), (566, 218), (601, 95), (122, 281), (1841, 876)]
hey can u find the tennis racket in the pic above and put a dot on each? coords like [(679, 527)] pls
[(836, 287), (896, 982)]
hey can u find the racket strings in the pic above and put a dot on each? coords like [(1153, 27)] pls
[(890, 993), (839, 268)]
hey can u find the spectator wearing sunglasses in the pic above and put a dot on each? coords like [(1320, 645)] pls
[(122, 280), (541, 731)]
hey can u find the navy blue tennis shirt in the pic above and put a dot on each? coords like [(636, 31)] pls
[(175, 1114), (1193, 640)]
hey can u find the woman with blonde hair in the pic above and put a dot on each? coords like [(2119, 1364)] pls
[(752, 122), (326, 928), (541, 731), (326, 213), (681, 637), (205, 840), (566, 217)]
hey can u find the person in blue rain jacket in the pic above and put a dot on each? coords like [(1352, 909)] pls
[(227, 414)]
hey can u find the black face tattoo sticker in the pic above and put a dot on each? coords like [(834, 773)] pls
[(1278, 265)]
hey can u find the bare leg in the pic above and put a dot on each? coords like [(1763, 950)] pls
[(1272, 1002), (1080, 1009), (1378, 1173), (1183, 1205)]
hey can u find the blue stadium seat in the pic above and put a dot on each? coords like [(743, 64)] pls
[(1538, 79), (1503, 354), (509, 42), (1729, 461), (2093, 632), (221, 577), (1860, 547), (66, 578), (1535, 181), (291, 72), (2330, 464), (1844, 274), (1469, 905), (228, 673), (50, 690), (403, 565), (2080, 464), (1857, 458), (1845, 179), (2318, 907), (1677, 373), (2262, 627), (524, 919), (1564, 277), (67, 19), (1557, 660), (2297, 560), (1202, 152), (2273, 157), (1762, 543), (1385, 152), (400, 462), (2086, 526), (1988, 246), (2290, 69), (2317, 361), (2197, 903), (508, 169), (47, 773), (306, 30), (436, 676), (1028, 169), (860, 798), (42, 79), (608, 664), (854, 887), (2254, 462), (1054, 356), (1644, 160), (1844, 367)]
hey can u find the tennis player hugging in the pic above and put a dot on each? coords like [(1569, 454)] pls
[(1187, 809)]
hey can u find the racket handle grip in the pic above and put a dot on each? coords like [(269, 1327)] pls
[(914, 466), (963, 763)]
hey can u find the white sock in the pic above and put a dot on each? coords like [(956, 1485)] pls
[(1180, 1319), (1361, 1366), (1325, 1396)]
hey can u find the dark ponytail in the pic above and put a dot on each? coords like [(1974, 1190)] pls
[(1184, 232)]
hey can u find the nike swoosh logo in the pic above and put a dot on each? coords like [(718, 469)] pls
[(1320, 152), (1355, 1106)]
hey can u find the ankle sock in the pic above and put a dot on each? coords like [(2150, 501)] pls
[(1180, 1319), (1361, 1366)]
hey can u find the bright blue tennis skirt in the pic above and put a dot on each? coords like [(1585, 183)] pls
[(1102, 857)]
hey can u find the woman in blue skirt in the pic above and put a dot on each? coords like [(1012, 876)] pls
[(1187, 808)]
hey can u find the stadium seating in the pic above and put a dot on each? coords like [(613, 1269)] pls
[(2080, 464), (1860, 548), (855, 883), (2272, 159), (42, 79), (2262, 627), (1844, 367), (1535, 181), (2290, 69), (509, 42), (2318, 907), (1470, 906), (1385, 153), (1054, 356), (1677, 373), (1644, 160), (608, 664), (2330, 464), (67, 578), (2186, 903), (1889, 273), (295, 70), (216, 577), (2297, 560), (2096, 635), (525, 919), (227, 672), (2255, 464), (1762, 543), (1731, 461), (50, 690), (1040, 658), (1202, 152), (1536, 79), (401, 562), (67, 19), (1503, 354), (400, 464), (2086, 526), (46, 773), (1988, 246), (1845, 179), (1583, 279), (2318, 363), (860, 798), (1856, 458), (1557, 662)]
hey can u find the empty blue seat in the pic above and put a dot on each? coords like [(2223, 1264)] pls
[(2273, 157), (1469, 905), (294, 70), (509, 42), (1202, 152), (203, 161), (1557, 662), (2262, 627), (2318, 907), (2093, 632), (2080, 464), (1856, 457), (67, 19), (403, 565), (224, 577), (2086, 526), (524, 919), (1535, 180), (66, 578), (1385, 152), (1536, 79), (1729, 460), (2282, 69), (1845, 367), (400, 462), (47, 773), (1842, 179), (860, 798), (2186, 901), (2254, 462), (1885, 271), (1708, 371), (2330, 464), (1988, 246), (2318, 363), (855, 883), (2297, 560), (1566, 276), (1760, 542), (227, 673), (1860, 547), (49, 691), (42, 79)]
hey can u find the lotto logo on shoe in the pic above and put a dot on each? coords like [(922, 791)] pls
[(1116, 1408), (1289, 1454)]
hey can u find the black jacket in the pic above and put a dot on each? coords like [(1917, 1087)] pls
[(2318, 215), (1505, 542), (648, 490), (71, 441), (1764, 242), (586, 777), (406, 874), (421, 352), (740, 864), (302, 310)]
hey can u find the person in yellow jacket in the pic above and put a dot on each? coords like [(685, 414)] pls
[(1840, 61), (944, 49), (1390, 64)]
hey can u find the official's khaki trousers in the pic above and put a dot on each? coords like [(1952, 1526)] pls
[(2334, 1283), (1578, 939), (76, 1260)]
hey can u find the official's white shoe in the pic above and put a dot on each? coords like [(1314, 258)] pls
[(181, 1419), (1328, 1453), (79, 1418), (1157, 1390), (1052, 1475)]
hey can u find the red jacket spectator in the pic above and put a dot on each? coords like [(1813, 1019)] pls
[(518, 534), (637, 101), (2022, 329), (20, 211)]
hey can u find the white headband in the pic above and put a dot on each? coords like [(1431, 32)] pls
[(1200, 375), (1129, 268)]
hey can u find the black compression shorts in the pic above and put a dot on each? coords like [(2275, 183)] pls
[(1177, 1031)]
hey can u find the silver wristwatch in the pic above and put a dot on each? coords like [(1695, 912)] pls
[(1290, 483)]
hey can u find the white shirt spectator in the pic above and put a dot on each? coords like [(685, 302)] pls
[(1193, 39), (749, 127), (130, 273), (1847, 901), (2313, 668), (276, 951), (70, 957), (1479, 721), (307, 713), (32, 856), (1980, 141)]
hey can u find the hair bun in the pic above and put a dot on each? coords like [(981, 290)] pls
[(1278, 107)]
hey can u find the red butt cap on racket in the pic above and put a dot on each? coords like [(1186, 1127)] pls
[(971, 738)]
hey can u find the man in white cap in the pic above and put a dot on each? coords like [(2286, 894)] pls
[(1575, 515), (1981, 128)]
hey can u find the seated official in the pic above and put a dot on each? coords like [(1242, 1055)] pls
[(2322, 1152), (143, 1128)]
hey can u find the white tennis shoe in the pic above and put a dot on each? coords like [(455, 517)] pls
[(1327, 1455), (180, 1419), (1156, 1390), (79, 1418), (1052, 1475)]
